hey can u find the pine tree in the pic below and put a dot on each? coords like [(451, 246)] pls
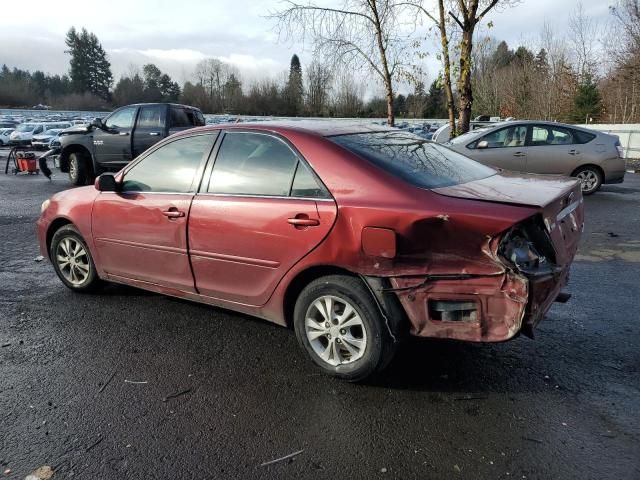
[(294, 87), (90, 71), (587, 103)]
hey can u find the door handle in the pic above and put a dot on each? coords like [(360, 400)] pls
[(124, 134), (304, 222), (573, 152), (519, 154), (154, 134), (173, 213)]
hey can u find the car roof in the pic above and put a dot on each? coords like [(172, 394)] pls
[(159, 103), (325, 128)]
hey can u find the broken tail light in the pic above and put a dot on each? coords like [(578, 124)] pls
[(528, 248)]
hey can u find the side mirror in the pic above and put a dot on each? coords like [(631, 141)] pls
[(106, 183), (482, 144), (97, 123)]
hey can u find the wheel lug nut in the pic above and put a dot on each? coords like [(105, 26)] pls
[(338, 340), (329, 336), (343, 331), (327, 325)]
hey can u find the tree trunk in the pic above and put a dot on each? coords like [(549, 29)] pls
[(451, 109), (465, 95), (386, 74), (389, 95)]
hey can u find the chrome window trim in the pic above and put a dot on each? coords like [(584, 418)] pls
[(281, 197)]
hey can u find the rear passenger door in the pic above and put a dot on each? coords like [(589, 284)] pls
[(150, 127), (552, 149), (259, 210)]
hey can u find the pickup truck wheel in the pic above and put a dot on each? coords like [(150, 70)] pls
[(340, 328), (78, 169)]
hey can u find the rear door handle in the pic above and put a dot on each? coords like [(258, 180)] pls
[(154, 134), (573, 152), (124, 134), (519, 154), (173, 213), (304, 222)]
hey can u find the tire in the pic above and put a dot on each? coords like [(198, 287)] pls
[(352, 353), (590, 179), (72, 260), (79, 172)]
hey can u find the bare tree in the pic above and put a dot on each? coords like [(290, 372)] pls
[(466, 15), (213, 74), (361, 33), (347, 100), (583, 35), (319, 78)]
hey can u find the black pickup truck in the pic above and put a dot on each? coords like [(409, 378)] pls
[(109, 144)]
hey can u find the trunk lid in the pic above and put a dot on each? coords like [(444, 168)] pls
[(558, 198)]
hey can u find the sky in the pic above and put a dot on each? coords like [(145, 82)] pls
[(175, 35)]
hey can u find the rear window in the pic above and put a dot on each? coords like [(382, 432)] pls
[(413, 159)]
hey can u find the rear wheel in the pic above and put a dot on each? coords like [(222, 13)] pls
[(341, 329), (72, 260), (590, 179)]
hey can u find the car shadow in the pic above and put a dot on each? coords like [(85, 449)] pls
[(464, 370)]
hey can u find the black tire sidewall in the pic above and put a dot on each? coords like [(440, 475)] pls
[(92, 281), (81, 174), (377, 337)]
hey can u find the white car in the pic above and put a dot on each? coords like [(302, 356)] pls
[(43, 140), (23, 134), (4, 135)]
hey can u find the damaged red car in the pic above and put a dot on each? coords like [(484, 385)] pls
[(354, 236)]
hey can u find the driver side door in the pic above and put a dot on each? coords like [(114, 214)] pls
[(140, 231), (112, 145)]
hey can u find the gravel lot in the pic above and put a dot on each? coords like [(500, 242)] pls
[(128, 384)]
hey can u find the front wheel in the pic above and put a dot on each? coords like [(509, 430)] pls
[(79, 171), (72, 260), (340, 327), (590, 179)]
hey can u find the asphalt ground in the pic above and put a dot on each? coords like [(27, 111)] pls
[(128, 384)]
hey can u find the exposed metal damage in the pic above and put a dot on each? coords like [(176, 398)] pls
[(518, 282)]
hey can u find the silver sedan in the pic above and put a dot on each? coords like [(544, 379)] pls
[(544, 147)]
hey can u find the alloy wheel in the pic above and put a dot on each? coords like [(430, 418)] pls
[(73, 261), (588, 180), (335, 330), (73, 173)]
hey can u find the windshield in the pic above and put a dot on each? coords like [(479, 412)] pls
[(417, 161), (53, 131), (465, 137), (26, 127)]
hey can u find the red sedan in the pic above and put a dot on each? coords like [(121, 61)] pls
[(355, 236)]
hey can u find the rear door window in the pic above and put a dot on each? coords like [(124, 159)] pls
[(542, 135), (253, 164), (151, 116)]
